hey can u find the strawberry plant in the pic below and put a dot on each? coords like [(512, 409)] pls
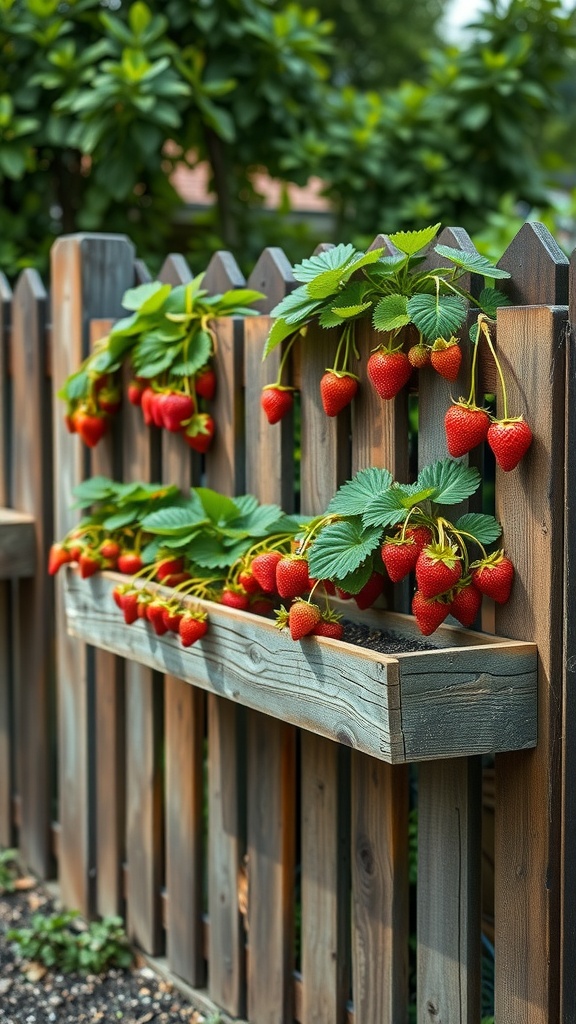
[(170, 342), (406, 303)]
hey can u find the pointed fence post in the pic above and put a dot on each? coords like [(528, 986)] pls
[(6, 673)]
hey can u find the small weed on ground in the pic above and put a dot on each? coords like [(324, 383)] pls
[(56, 941)]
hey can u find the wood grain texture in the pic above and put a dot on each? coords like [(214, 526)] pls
[(272, 275), (379, 891), (109, 712), (530, 504), (325, 879), (90, 274), (17, 544), (538, 267), (184, 708), (222, 273), (568, 837), (226, 459), (7, 780), (226, 847), (448, 986), (31, 492), (271, 852), (345, 693)]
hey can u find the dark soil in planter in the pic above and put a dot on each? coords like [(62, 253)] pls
[(384, 641), (30, 994)]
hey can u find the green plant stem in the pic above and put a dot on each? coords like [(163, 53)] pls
[(486, 333), (472, 395)]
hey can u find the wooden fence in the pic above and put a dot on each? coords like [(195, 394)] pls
[(270, 864)]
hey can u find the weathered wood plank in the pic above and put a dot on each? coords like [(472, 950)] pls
[(90, 274), (177, 457), (110, 788), (379, 891), (225, 471), (31, 492), (7, 781), (184, 708), (530, 504), (271, 851), (345, 693), (17, 544), (325, 879)]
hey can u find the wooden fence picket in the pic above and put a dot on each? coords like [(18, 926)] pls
[(6, 675)]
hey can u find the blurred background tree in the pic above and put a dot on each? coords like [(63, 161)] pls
[(101, 101)]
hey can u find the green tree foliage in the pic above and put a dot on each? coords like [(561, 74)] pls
[(100, 100)]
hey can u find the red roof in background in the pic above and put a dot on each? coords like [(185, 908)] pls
[(192, 185)]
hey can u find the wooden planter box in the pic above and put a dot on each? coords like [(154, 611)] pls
[(474, 694), (17, 544)]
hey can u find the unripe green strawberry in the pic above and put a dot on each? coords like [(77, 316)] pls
[(302, 618), (438, 569), (388, 372), (419, 356), (337, 391), (466, 426), (509, 440), (292, 576), (466, 604), (494, 576), (276, 401), (446, 357), (429, 613)]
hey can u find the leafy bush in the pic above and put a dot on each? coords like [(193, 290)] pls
[(8, 870), (53, 941)]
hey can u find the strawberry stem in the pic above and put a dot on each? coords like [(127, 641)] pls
[(486, 332), (283, 360), (472, 395)]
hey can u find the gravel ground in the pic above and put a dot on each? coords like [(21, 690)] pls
[(29, 994)]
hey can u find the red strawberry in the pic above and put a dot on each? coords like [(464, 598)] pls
[(329, 587), (58, 557), (509, 440), (118, 595), (466, 604), (370, 591), (168, 566), (419, 356), (232, 597), (388, 372), (261, 605), (135, 392), (446, 357), (70, 423), (263, 569), (156, 403), (337, 391), (302, 618), (146, 403), (205, 383), (110, 400), (199, 432), (494, 576), (109, 549), (130, 607), (144, 599), (438, 569), (129, 562), (429, 614), (334, 630), (248, 582), (421, 535), (192, 628), (292, 576), (89, 564), (175, 579), (175, 409), (466, 426), (90, 427), (276, 401), (399, 556), (343, 594), (155, 615), (173, 618)]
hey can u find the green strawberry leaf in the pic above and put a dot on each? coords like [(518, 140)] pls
[(391, 313), (330, 318), (333, 259), (471, 261), (279, 331), (146, 298), (75, 386), (195, 354), (219, 509), (353, 582), (352, 497), (211, 553), (172, 520), (484, 529), (451, 482), (490, 300), (128, 515), (437, 316), (387, 266), (411, 242), (331, 281), (341, 548), (260, 521), (386, 509), (296, 307), (150, 551), (237, 298), (96, 488)]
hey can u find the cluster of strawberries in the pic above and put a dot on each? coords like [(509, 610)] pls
[(164, 616), (389, 369), (468, 425), (177, 409), (447, 584), (90, 416)]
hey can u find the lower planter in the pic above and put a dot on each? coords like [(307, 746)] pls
[(471, 694)]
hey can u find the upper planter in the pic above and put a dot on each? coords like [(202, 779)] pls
[(473, 694)]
